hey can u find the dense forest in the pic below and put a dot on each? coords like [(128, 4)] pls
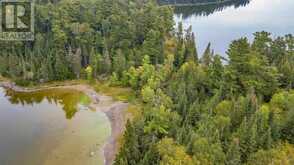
[(197, 109), (108, 35)]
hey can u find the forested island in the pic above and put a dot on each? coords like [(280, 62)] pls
[(195, 109)]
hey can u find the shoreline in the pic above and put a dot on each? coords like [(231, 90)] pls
[(114, 110), (197, 3)]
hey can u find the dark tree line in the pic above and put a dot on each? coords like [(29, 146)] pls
[(187, 8)]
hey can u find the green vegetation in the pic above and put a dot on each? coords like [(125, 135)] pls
[(210, 113), (194, 110), (118, 93), (106, 35)]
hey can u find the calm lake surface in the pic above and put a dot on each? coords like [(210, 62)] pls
[(222, 23), (50, 127)]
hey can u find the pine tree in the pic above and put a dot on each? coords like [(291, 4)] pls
[(216, 73), (119, 63), (190, 53), (207, 56), (130, 151), (247, 135), (153, 46), (262, 42), (233, 156)]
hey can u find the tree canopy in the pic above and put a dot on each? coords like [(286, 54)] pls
[(196, 109)]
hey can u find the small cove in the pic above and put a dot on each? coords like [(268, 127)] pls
[(51, 126)]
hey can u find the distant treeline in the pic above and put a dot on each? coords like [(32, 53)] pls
[(186, 8), (191, 2)]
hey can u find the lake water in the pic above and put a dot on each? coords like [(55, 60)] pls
[(224, 22), (50, 127)]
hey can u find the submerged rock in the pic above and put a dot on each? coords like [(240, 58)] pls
[(92, 154), (82, 107)]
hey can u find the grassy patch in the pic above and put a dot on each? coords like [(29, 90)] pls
[(135, 110), (118, 93), (121, 94), (3, 78)]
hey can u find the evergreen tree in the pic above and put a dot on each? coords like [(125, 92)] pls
[(233, 154), (190, 53), (207, 56), (152, 47), (130, 151)]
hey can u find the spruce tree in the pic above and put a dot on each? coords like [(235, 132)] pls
[(233, 156)]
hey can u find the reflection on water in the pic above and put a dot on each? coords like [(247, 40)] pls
[(48, 128), (67, 98), (221, 23), (187, 8)]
